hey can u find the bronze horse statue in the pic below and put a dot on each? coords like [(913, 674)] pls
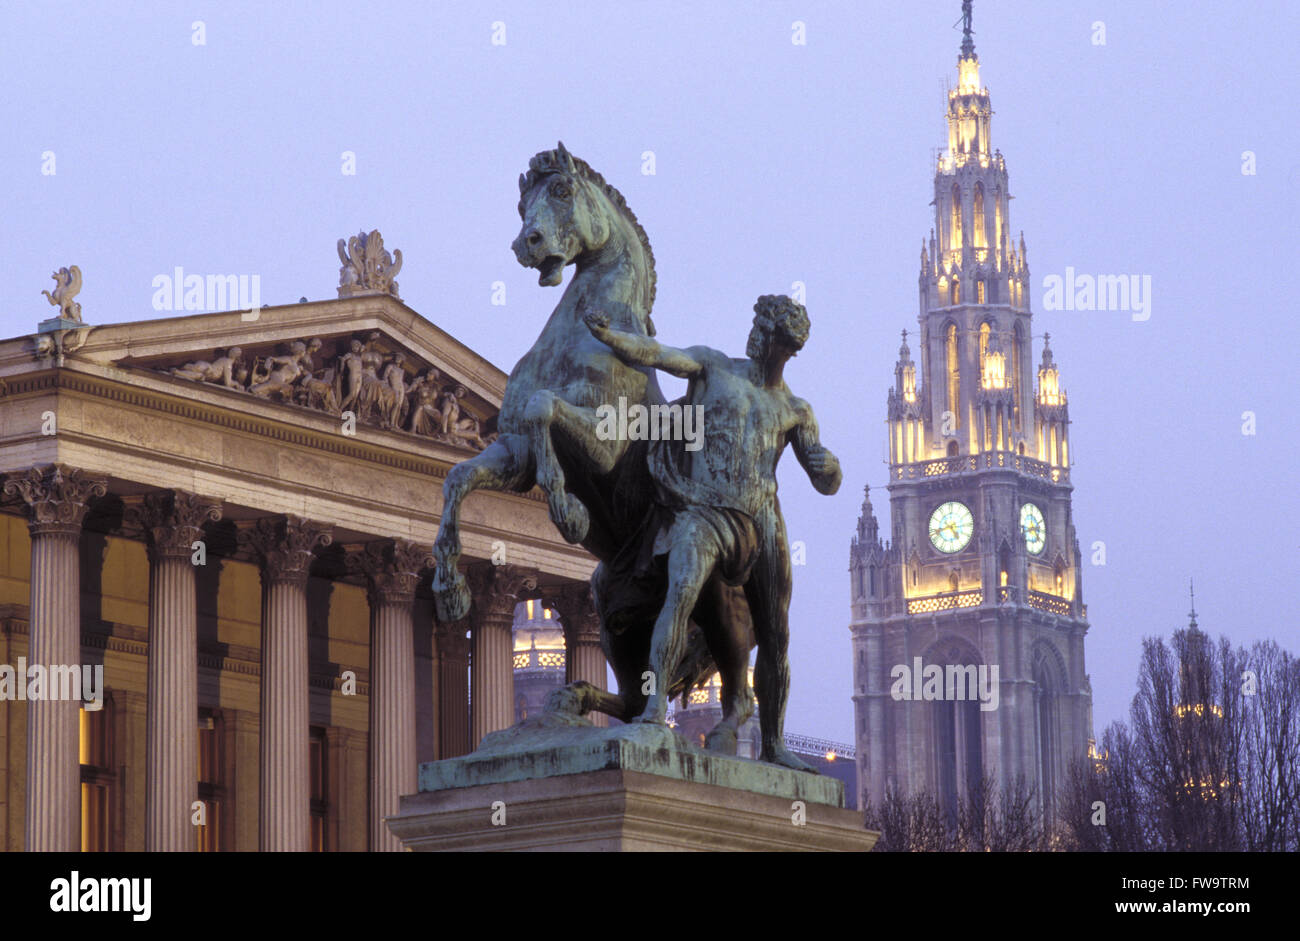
[(598, 489)]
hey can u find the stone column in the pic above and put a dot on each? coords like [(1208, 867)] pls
[(56, 499), (453, 690), (173, 522), (583, 657), (284, 546), (496, 589), (392, 571)]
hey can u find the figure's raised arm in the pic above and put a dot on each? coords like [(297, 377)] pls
[(637, 350), (822, 467)]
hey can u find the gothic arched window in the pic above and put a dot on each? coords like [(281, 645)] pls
[(1014, 385), (955, 241), (954, 371), (978, 235)]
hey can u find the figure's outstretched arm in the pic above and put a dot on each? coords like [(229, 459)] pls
[(637, 350), (822, 467)]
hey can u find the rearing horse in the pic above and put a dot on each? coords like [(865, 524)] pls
[(597, 489)]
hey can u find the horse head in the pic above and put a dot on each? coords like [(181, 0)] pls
[(566, 213)]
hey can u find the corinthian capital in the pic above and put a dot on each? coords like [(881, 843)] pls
[(55, 498), (284, 545), (496, 589), (578, 615), (392, 569), (173, 520)]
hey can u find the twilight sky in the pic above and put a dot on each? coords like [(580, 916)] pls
[(774, 163)]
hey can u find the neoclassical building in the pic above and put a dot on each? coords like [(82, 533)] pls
[(231, 514), (980, 568)]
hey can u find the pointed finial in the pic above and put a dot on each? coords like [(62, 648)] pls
[(967, 40), (1191, 587)]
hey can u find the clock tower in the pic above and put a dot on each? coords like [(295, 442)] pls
[(968, 620)]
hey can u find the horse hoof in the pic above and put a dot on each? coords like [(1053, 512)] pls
[(570, 518), (450, 597), (721, 740)]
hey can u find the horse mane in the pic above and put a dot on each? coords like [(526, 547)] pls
[(549, 162)]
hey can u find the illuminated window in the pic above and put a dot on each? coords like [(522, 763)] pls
[(319, 790), (954, 371), (212, 779), (979, 291), (1014, 384), (96, 779), (978, 238), (997, 221), (956, 291), (955, 240)]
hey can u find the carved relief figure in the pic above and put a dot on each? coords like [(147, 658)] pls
[(395, 378), (422, 402), (281, 372), (222, 370), (348, 375)]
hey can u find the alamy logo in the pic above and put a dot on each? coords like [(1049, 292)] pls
[(75, 894), (1102, 292), (181, 291), (638, 422), (964, 682), (56, 681)]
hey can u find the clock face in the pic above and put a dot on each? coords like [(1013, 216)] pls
[(1033, 527), (951, 527)]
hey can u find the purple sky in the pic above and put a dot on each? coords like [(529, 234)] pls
[(775, 163)]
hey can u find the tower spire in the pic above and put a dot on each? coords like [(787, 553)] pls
[(967, 40), (1191, 587)]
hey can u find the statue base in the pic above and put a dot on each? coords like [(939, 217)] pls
[(559, 783), (55, 324)]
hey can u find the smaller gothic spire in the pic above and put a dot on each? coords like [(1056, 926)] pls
[(1047, 351), (1191, 616), (868, 527)]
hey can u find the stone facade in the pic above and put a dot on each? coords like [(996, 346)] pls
[(982, 567), (251, 573)]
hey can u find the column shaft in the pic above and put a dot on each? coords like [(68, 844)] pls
[(53, 752), (285, 546), (173, 522), (172, 739), (392, 717), (55, 499), (492, 681)]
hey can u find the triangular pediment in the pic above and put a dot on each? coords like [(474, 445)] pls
[(369, 357)]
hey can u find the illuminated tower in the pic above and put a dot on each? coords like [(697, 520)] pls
[(982, 567)]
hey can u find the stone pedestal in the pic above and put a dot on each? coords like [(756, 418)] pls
[(560, 784)]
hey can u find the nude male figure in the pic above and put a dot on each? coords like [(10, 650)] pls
[(220, 370), (723, 514)]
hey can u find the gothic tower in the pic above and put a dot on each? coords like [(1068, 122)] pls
[(968, 623)]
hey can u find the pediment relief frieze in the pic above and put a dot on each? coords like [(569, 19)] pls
[(367, 377)]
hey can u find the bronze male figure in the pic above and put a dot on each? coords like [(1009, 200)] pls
[(717, 508)]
